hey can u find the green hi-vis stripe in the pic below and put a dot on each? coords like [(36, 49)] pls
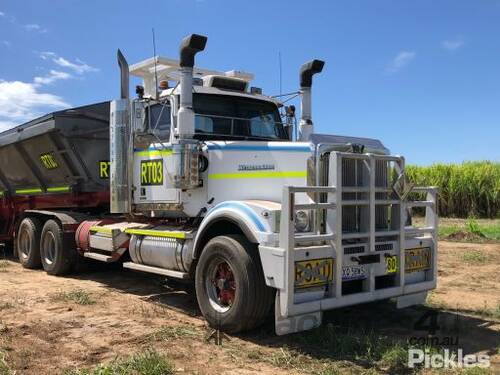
[(1, 193), (29, 191), (257, 174), (154, 153), (54, 189), (156, 233), (101, 230), (58, 189)]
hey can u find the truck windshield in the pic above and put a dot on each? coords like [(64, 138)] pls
[(234, 117)]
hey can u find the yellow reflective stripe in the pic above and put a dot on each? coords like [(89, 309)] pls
[(156, 233), (58, 189), (54, 189), (154, 153), (257, 174), (101, 230), (28, 191), (1, 193)]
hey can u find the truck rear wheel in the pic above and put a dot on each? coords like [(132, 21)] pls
[(230, 285), (28, 242), (57, 253)]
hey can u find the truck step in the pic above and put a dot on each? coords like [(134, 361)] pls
[(100, 257), (156, 270)]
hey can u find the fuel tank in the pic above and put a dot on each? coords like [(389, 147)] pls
[(168, 253)]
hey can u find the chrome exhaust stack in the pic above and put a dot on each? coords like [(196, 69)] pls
[(189, 47), (307, 70), (120, 145)]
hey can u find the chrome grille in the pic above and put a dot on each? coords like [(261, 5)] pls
[(354, 250), (355, 174), (384, 246)]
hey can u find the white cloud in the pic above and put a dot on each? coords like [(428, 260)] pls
[(6, 125), (54, 75), (79, 67), (46, 55), (6, 43), (2, 14), (34, 27), (22, 101), (452, 45), (402, 59)]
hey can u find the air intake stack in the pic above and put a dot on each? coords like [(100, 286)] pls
[(307, 71), (189, 47)]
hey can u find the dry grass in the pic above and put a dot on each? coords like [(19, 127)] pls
[(78, 296)]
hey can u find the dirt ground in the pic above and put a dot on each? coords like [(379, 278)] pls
[(52, 324)]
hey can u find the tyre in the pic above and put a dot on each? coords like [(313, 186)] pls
[(58, 254), (230, 286), (28, 242)]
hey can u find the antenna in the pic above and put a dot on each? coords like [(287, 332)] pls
[(154, 56), (279, 62)]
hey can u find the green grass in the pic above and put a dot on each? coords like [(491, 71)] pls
[(150, 362), (167, 333), (78, 296), (4, 367), (3, 265), (492, 313), (330, 347), (6, 305), (476, 371), (467, 189), (474, 257), (480, 230)]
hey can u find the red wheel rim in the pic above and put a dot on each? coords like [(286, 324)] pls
[(221, 285)]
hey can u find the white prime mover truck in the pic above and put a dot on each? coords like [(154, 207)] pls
[(208, 183)]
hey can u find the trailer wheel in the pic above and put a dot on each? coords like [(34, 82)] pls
[(28, 242), (58, 253), (230, 285)]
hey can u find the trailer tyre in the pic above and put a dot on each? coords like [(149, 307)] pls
[(28, 242), (230, 285), (58, 253)]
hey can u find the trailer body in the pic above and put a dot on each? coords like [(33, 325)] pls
[(56, 162), (207, 183)]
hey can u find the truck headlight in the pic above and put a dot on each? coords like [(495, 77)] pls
[(302, 222)]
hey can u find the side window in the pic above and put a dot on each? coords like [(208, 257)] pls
[(160, 121)]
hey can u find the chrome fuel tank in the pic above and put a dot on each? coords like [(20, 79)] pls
[(168, 253)]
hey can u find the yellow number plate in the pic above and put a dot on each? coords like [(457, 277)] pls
[(391, 264), (417, 259), (313, 272)]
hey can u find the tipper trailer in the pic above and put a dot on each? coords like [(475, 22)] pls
[(207, 183)]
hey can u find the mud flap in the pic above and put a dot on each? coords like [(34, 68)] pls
[(410, 300), (296, 323)]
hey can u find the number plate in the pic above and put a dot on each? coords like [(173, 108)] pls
[(313, 272), (391, 264), (417, 259), (353, 272)]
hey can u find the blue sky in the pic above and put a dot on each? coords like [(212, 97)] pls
[(422, 76)]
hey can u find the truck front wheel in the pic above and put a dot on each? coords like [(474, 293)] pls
[(230, 285), (28, 242), (58, 254)]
